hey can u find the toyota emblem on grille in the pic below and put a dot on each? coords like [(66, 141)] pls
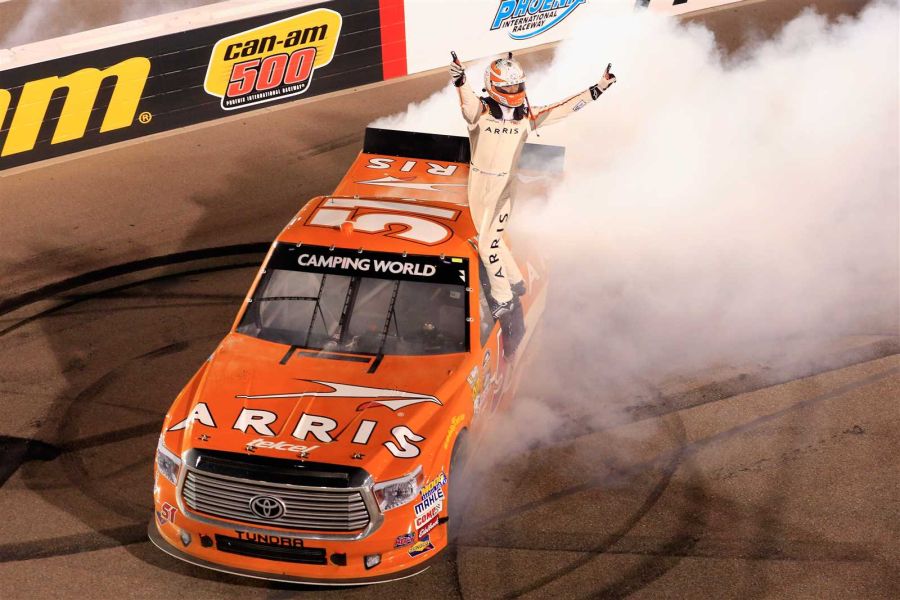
[(267, 507)]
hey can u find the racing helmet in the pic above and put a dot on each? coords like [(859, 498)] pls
[(504, 81)]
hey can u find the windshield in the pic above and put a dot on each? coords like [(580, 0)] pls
[(347, 301)]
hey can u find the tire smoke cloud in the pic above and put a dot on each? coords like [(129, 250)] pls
[(714, 209), (47, 19)]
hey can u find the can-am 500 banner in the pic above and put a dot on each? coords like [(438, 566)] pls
[(113, 94)]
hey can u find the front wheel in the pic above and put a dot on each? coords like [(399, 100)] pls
[(457, 499)]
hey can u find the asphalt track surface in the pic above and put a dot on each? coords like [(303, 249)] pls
[(122, 269)]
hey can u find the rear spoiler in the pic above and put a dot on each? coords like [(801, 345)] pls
[(453, 148)]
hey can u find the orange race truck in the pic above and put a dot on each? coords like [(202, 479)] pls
[(319, 441)]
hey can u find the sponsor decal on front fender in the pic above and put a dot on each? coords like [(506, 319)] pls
[(428, 515), (432, 503), (454, 426), (421, 547), (426, 529), (434, 489)]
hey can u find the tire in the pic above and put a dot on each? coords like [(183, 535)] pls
[(457, 500)]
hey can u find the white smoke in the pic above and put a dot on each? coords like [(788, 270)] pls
[(711, 206), (47, 19)]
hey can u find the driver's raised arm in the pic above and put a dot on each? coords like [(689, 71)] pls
[(471, 105), (542, 116)]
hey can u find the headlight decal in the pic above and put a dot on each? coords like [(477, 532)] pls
[(398, 492), (167, 464)]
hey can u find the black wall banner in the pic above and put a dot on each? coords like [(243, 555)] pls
[(114, 94)]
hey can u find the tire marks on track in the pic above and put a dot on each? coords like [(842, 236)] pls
[(691, 523), (676, 429), (668, 553), (102, 294), (74, 544), (737, 548), (127, 268), (67, 449), (15, 451), (659, 555)]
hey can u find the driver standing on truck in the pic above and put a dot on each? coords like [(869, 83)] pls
[(499, 124)]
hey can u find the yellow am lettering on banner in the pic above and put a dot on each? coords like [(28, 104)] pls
[(82, 88), (272, 61)]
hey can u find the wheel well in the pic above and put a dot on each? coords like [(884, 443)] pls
[(459, 448)]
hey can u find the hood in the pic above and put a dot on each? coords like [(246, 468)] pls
[(261, 396)]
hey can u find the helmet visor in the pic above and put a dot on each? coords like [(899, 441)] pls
[(510, 89)]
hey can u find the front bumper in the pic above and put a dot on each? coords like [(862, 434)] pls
[(272, 570), (203, 521)]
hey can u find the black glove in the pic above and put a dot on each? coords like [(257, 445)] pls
[(457, 74), (601, 86)]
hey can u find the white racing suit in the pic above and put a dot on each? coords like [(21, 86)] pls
[(496, 142)]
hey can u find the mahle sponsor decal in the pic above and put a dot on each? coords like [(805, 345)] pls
[(272, 61), (525, 19), (81, 89)]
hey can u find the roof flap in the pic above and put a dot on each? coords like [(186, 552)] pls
[(453, 148)]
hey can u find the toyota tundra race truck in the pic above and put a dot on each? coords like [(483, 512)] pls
[(318, 442)]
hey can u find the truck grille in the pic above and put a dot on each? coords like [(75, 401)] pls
[(333, 510)]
